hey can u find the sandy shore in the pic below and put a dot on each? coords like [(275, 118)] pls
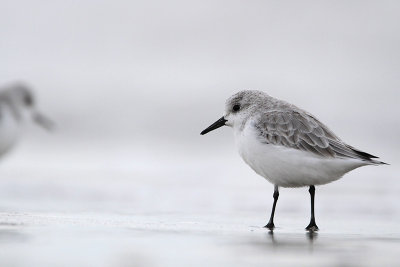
[(189, 215)]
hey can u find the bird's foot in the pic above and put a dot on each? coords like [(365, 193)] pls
[(312, 227), (270, 226)]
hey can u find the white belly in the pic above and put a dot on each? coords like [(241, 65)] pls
[(288, 167), (10, 129)]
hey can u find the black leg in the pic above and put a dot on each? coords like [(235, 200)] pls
[(312, 226), (270, 225)]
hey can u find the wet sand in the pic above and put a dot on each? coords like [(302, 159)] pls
[(127, 240), (189, 215)]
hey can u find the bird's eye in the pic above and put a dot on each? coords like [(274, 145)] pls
[(236, 107)]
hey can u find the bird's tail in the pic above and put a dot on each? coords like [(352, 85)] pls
[(371, 159), (377, 162)]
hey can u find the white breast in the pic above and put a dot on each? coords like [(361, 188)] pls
[(288, 167), (10, 129)]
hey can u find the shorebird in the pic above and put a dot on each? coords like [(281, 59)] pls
[(17, 106), (287, 145)]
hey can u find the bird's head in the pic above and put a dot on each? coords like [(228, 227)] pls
[(23, 103), (238, 108)]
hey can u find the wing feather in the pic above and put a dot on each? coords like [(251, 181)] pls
[(300, 130)]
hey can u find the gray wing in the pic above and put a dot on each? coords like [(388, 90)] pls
[(302, 131)]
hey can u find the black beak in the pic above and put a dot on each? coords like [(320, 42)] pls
[(43, 121), (215, 125)]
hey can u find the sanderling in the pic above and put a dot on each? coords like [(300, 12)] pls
[(17, 104), (287, 145)]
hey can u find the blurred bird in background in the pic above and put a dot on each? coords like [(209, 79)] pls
[(17, 108)]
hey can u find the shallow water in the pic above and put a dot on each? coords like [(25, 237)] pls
[(129, 240), (132, 211)]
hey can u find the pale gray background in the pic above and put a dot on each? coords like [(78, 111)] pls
[(132, 83)]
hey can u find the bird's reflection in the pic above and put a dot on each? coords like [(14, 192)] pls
[(271, 235), (291, 240), (312, 236)]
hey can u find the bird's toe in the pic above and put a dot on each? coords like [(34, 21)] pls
[(312, 228), (270, 226)]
